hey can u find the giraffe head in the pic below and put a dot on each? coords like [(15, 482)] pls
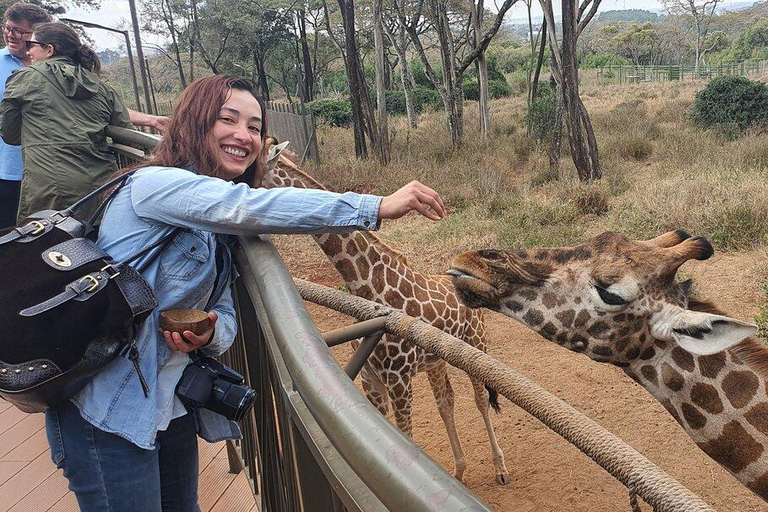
[(281, 171), (611, 298)]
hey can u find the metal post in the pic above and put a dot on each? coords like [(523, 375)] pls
[(140, 53)]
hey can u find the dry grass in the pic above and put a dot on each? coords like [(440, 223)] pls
[(660, 173)]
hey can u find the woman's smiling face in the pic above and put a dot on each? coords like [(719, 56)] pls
[(235, 137)]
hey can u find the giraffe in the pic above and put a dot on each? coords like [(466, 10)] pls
[(617, 301), (373, 270)]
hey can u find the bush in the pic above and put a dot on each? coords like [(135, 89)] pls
[(730, 103), (496, 89), (542, 114), (426, 99), (499, 89), (395, 103), (333, 112)]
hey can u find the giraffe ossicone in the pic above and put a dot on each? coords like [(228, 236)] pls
[(373, 270), (618, 301)]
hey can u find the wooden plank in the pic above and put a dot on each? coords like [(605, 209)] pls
[(213, 481), (30, 449), (66, 504), (207, 452), (8, 468), (44, 495), (237, 496), (20, 432), (23, 482), (4, 405), (10, 417)]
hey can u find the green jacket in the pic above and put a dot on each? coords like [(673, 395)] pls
[(58, 112)]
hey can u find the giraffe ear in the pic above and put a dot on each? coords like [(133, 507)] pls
[(704, 333)]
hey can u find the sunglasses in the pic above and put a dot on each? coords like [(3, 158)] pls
[(15, 31), (30, 43)]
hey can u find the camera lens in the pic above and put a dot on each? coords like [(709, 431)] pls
[(232, 400)]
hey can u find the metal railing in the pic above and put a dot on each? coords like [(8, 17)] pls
[(313, 441)]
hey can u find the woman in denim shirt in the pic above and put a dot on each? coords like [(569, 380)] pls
[(126, 450)]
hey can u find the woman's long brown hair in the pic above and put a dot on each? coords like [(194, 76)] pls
[(185, 141)]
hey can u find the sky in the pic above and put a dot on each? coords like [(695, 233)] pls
[(116, 14)]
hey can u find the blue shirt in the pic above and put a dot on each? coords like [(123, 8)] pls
[(153, 202), (11, 164)]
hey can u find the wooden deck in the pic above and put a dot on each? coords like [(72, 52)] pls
[(29, 482)]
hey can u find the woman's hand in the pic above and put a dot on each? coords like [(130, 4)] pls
[(190, 341), (413, 196)]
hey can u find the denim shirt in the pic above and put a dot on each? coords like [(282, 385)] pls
[(153, 202), (11, 164)]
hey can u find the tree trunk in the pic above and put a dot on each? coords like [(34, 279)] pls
[(481, 66), (555, 143), (452, 92), (400, 44), (362, 110), (381, 86), (309, 85), (175, 42), (581, 138), (259, 71), (539, 62)]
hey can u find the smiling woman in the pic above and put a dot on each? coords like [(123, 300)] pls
[(199, 186)]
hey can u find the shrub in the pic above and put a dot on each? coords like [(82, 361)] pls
[(542, 114), (471, 89), (635, 147), (333, 112), (730, 103), (426, 99), (396, 103), (499, 89), (496, 89)]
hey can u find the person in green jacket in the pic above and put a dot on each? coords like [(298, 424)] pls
[(58, 110)]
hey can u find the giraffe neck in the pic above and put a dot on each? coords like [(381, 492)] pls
[(721, 400), (366, 264)]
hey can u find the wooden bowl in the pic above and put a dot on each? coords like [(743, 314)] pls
[(180, 320)]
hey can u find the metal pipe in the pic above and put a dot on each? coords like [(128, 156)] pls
[(352, 332), (361, 355)]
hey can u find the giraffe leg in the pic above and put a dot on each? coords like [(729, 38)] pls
[(481, 400), (441, 388), (374, 389), (401, 396)]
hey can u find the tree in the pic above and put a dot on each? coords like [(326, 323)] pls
[(443, 20), (565, 71), (362, 110), (699, 14), (381, 87)]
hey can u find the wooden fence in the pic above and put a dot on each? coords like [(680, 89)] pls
[(295, 123), (638, 74)]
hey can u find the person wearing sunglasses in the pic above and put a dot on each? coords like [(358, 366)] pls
[(58, 109), (18, 23)]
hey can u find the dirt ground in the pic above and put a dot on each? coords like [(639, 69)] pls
[(548, 473)]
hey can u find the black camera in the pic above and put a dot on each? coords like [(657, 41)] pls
[(209, 384)]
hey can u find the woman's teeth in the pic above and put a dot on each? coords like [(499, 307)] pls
[(233, 151)]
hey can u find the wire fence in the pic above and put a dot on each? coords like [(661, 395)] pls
[(677, 73)]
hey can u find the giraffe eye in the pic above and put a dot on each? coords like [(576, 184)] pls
[(610, 298)]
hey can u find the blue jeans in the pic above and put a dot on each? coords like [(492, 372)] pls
[(109, 473)]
